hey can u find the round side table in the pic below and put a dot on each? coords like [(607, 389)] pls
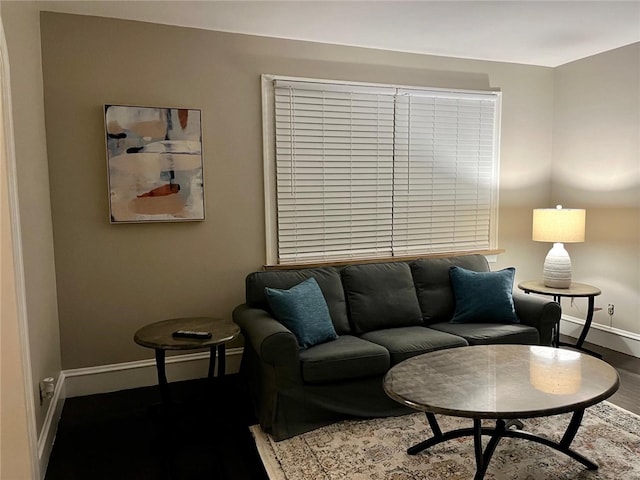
[(159, 336), (575, 290)]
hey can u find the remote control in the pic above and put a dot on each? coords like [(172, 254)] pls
[(191, 334)]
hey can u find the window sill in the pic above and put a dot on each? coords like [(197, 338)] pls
[(490, 254)]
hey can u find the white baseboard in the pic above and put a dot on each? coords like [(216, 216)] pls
[(120, 376), (142, 373), (609, 337), (50, 426)]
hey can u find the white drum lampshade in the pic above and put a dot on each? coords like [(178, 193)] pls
[(558, 226)]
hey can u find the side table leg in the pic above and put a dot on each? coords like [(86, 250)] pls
[(162, 376), (222, 360), (556, 332), (587, 323), (585, 330), (222, 363), (212, 361)]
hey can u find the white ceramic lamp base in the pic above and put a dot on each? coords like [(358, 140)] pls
[(556, 272)]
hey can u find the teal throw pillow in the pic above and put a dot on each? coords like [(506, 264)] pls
[(303, 310), (483, 297)]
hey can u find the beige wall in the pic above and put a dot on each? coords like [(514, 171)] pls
[(17, 426), (22, 28), (15, 447), (596, 165), (112, 279)]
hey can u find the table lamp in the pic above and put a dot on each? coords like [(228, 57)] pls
[(559, 226)]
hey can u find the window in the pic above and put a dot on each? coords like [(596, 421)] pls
[(365, 171)]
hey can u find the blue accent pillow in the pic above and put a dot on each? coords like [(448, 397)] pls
[(483, 297), (303, 310)]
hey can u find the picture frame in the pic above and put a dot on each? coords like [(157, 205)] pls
[(154, 163)]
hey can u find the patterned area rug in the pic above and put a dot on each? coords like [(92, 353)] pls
[(376, 450)]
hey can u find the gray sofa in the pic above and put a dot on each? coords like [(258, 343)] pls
[(383, 313)]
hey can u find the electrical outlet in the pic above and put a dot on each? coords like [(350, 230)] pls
[(47, 387), (611, 309)]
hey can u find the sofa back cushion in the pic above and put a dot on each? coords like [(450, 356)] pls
[(380, 295), (328, 279), (433, 284)]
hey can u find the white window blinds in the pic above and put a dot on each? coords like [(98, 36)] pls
[(445, 172), (370, 171)]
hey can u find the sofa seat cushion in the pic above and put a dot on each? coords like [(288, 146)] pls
[(380, 295), (406, 342), (491, 333), (344, 358)]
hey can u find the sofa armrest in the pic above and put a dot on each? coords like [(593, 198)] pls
[(538, 312), (274, 343)]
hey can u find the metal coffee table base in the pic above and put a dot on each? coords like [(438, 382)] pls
[(501, 430)]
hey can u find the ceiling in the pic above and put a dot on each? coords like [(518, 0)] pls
[(546, 33)]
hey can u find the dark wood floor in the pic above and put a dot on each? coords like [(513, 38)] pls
[(122, 436), (127, 435)]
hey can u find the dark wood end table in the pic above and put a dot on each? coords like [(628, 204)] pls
[(501, 382), (575, 290), (159, 336)]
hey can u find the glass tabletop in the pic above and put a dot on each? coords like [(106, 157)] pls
[(501, 381)]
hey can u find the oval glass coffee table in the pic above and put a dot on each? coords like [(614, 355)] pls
[(504, 383)]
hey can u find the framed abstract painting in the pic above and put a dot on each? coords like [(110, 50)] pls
[(155, 165)]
